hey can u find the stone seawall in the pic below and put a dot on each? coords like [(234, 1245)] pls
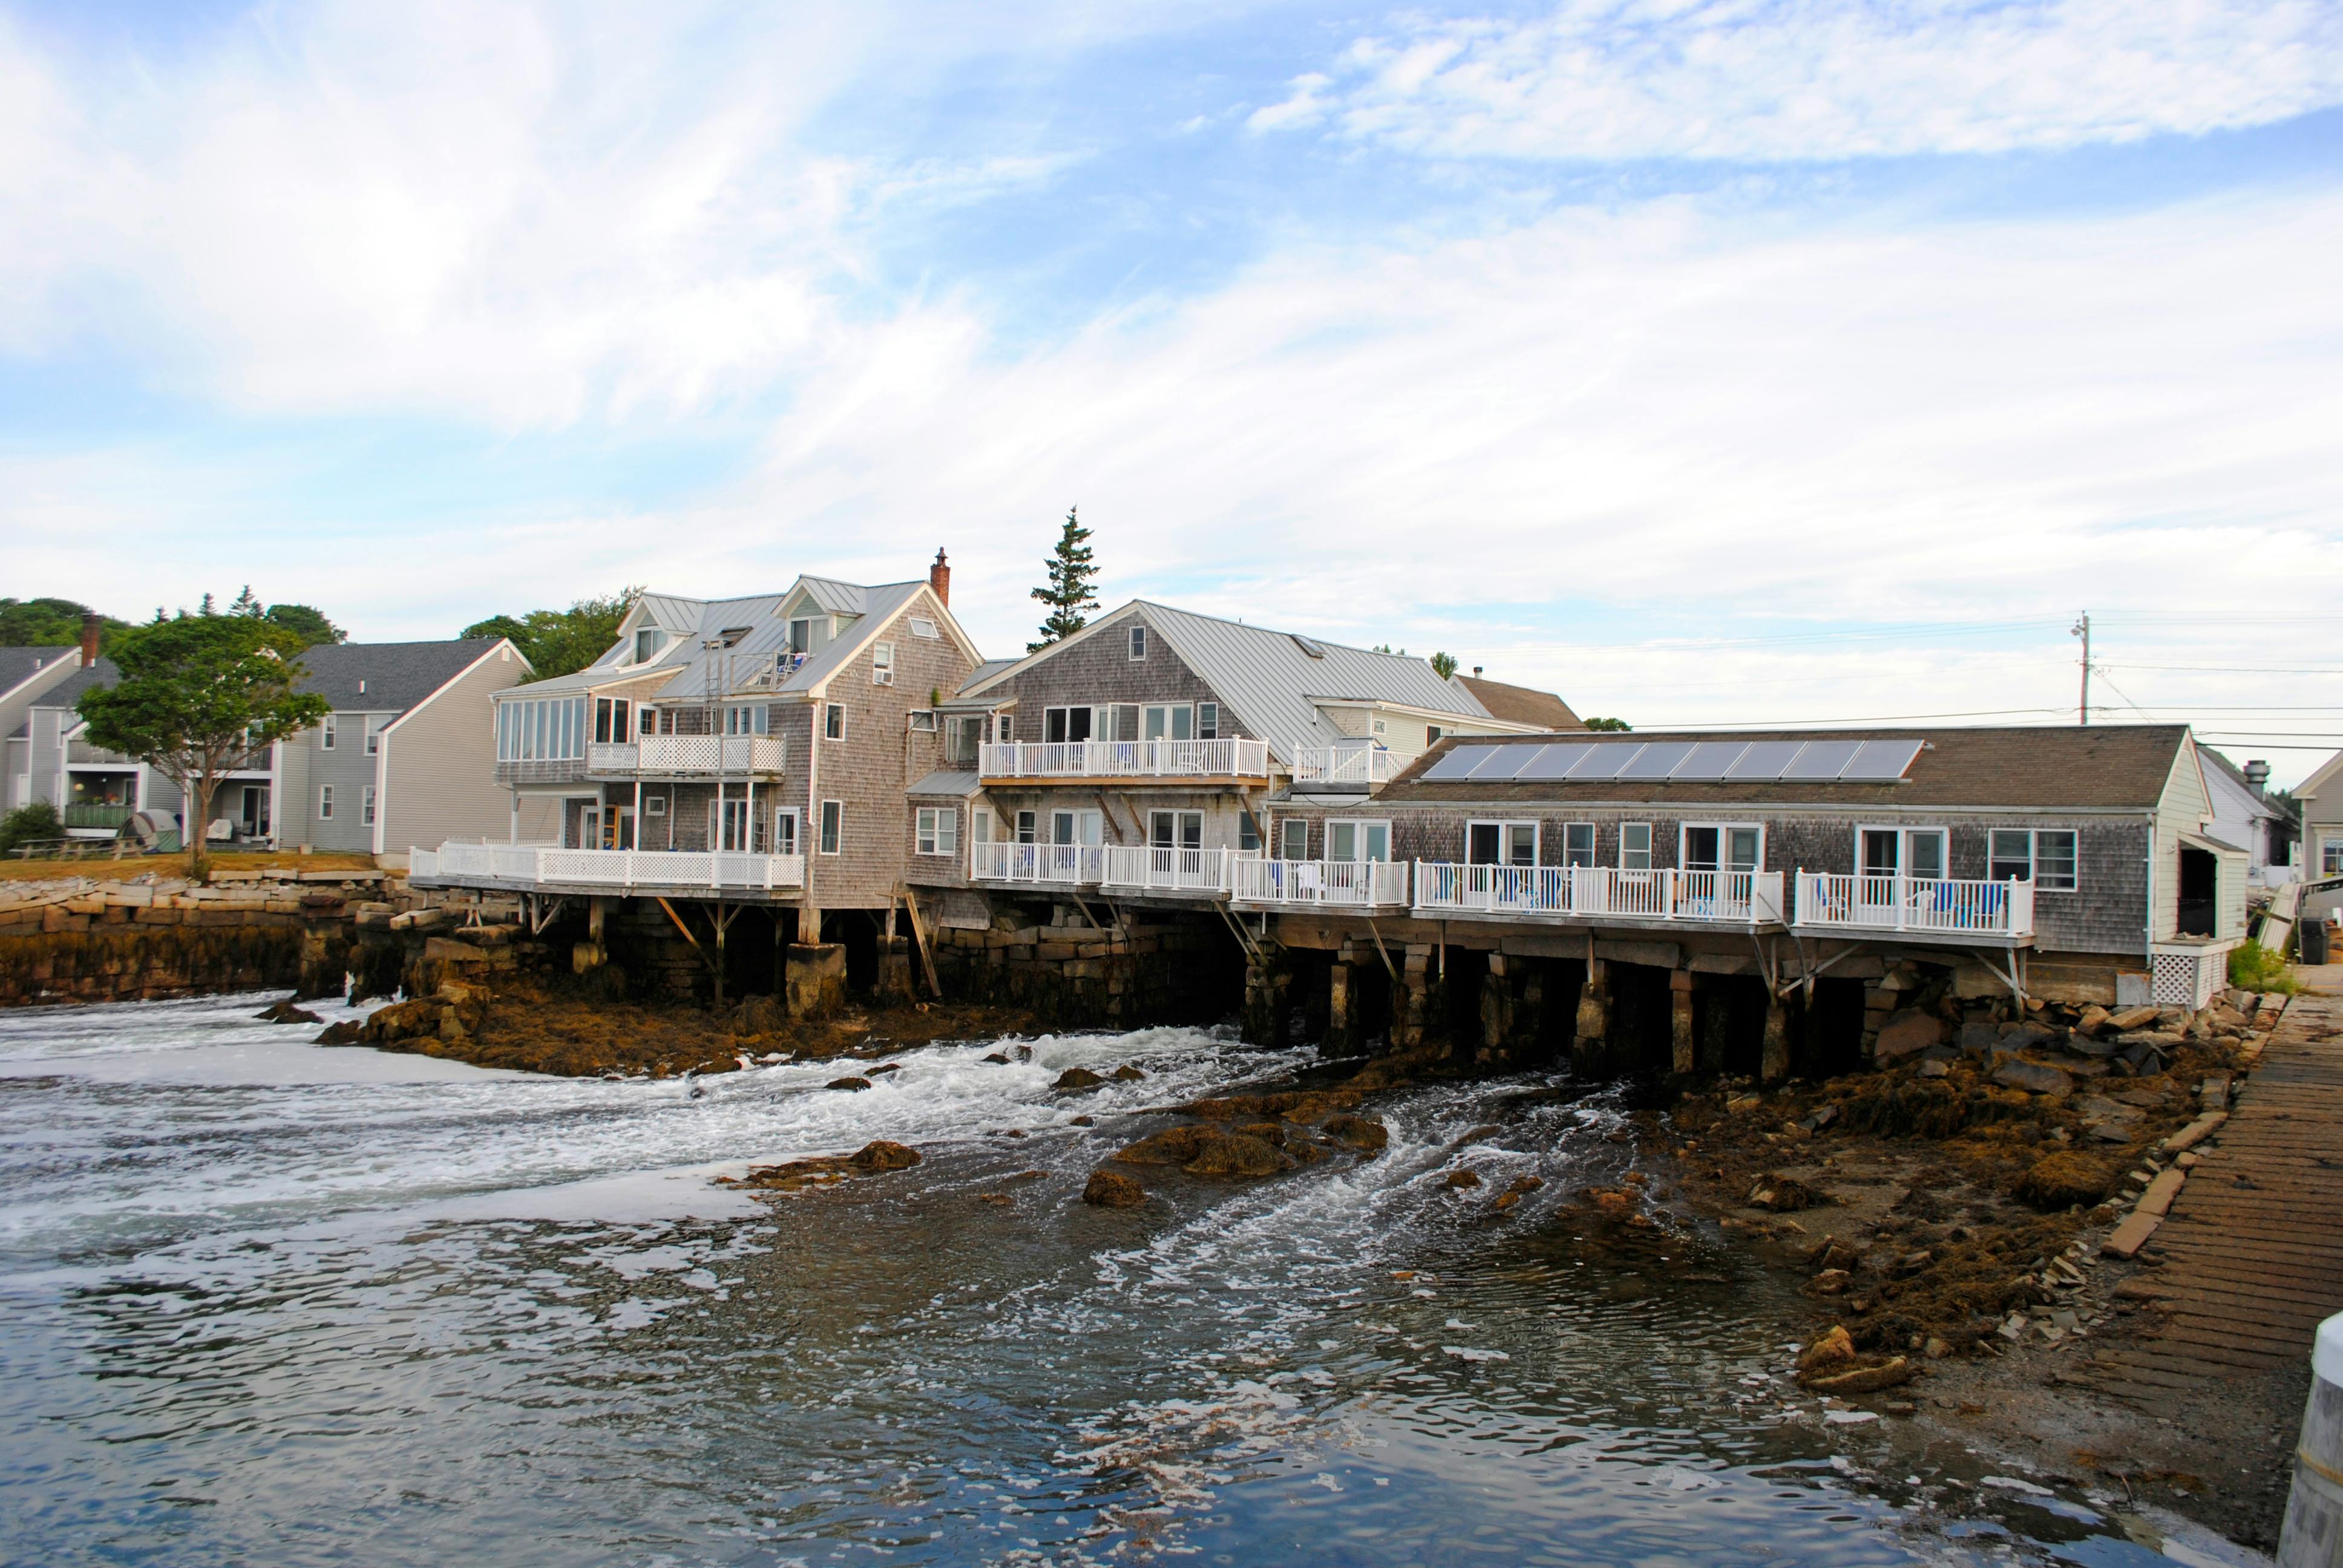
[(1173, 969), (93, 941)]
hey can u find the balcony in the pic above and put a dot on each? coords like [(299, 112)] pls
[(1600, 893), (1136, 760), (1055, 865), (541, 770), (96, 814), (1922, 906), (1141, 869), (1357, 764), (685, 756), (1321, 884), (539, 866)]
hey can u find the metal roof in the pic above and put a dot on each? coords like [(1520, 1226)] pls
[(948, 781)]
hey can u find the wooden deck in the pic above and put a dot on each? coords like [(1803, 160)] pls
[(2251, 1253)]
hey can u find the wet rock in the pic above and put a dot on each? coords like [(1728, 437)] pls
[(1833, 1254), (760, 1015), (1937, 1348), (880, 1155), (2108, 1120), (2034, 1077), (1831, 1351), (287, 1012), (998, 1060), (1172, 1146), (873, 1158), (882, 1071), (1077, 1078), (2063, 1179), (403, 1020), (1127, 1073), (1824, 1115), (1907, 1034), (1979, 1038), (1361, 1133), (1522, 1186), (1831, 1283), (999, 1200), (1866, 1378), (1235, 1154), (848, 1083), (1083, 1121), (1783, 1195), (1270, 1132), (349, 1032), (1464, 1179), (1112, 1189)]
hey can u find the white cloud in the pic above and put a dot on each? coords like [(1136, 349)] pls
[(1801, 79)]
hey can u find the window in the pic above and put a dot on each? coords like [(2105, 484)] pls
[(326, 727), (1208, 721), (1006, 726), (1065, 723), (374, 737), (938, 829), (833, 721), (962, 737), (1431, 734), (924, 718), (833, 818), (727, 823), (979, 824), (1578, 844), (882, 663), (1378, 727), (785, 832), (731, 635), (1168, 721), (1139, 643), (1175, 830), (540, 729), (2055, 859), (646, 644), (802, 635), (2331, 857), (1901, 852), (1248, 834), (922, 626), (610, 719), (1077, 827), (1293, 839), (1634, 846), (366, 806), (2010, 856), (1501, 843), (654, 805), (1029, 826), (1358, 840), (1722, 847), (325, 801)]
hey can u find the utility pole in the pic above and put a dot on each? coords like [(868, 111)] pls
[(2082, 628)]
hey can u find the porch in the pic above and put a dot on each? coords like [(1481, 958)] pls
[(1600, 893), (1934, 906), (1137, 761), (1057, 864), (685, 756), (1319, 884), (1357, 764), (536, 867), (1141, 869)]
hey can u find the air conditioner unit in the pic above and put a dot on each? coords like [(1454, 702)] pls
[(882, 678)]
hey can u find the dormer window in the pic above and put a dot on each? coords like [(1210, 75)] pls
[(647, 643), (801, 635)]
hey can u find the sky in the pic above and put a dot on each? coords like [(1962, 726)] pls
[(1706, 361)]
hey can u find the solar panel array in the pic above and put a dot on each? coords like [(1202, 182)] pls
[(1678, 762)]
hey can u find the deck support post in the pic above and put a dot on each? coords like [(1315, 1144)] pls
[(1496, 1011), (1341, 1039), (1773, 1057), (1586, 1049), (1683, 1046)]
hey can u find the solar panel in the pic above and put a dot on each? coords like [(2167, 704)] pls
[(1764, 760), (1710, 759), (1880, 760), (1604, 762), (1553, 763), (1458, 764), (1657, 759), (1504, 761), (1821, 760)]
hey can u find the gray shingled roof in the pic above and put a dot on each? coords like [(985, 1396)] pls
[(19, 665), (2063, 766), (67, 692), (396, 674)]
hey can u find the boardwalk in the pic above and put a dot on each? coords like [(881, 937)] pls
[(2251, 1254)]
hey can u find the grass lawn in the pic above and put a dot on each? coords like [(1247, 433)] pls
[(105, 868)]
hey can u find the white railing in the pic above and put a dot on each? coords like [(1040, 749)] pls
[(1069, 865), (542, 864), (1167, 870), (1597, 892), (1340, 884), (670, 754), (1933, 904), (1124, 760), (1353, 765)]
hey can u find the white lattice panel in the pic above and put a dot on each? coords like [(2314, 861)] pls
[(2187, 979)]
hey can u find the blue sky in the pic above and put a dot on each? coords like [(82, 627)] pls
[(1706, 361)]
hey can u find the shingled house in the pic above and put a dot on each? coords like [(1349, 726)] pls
[(1748, 866)]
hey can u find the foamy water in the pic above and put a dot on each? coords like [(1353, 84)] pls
[(270, 1301)]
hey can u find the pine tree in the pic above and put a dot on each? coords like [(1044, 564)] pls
[(1444, 665), (245, 604), (1068, 593)]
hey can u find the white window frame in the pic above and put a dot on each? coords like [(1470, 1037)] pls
[(1288, 829), (1506, 828), (833, 827), (1135, 645), (1904, 847), (1362, 832), (1067, 726), (922, 626), (374, 728), (2033, 836), (366, 806), (1248, 832), (882, 657), (1627, 830), (1169, 710), (1994, 858), (1723, 842), (1005, 728), (937, 828), (979, 824), (1571, 852), (833, 721), (923, 720), (654, 805), (1178, 817), (785, 830), (1208, 721), (658, 641), (1433, 735), (2330, 855), (325, 802), (325, 732)]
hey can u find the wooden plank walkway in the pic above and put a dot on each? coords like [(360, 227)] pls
[(2252, 1251)]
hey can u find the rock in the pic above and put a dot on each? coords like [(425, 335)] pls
[(1361, 1132), (1083, 1121), (1172, 1146), (1834, 1350), (2034, 1077), (998, 1060), (1127, 1073), (1866, 1379), (1784, 1196), (1833, 1254), (2026, 1036), (287, 1012), (1911, 1263), (1112, 1189), (1527, 1184), (1979, 1039), (1937, 1349), (1272, 1133), (1235, 1154), (999, 1200), (2129, 1237), (2063, 1179), (1077, 1078), (403, 1020), (2092, 1020), (347, 1032), (760, 1015), (1823, 1117), (880, 1155), (848, 1083), (2133, 1017), (882, 1071), (1907, 1034), (1935, 1069), (1831, 1283), (1463, 1178)]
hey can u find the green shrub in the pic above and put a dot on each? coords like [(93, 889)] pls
[(30, 825), (2253, 967)]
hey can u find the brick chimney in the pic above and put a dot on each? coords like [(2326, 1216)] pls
[(89, 631), (940, 579)]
